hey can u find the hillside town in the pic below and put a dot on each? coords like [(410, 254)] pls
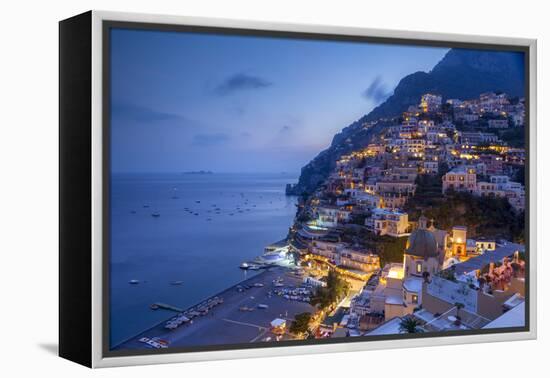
[(424, 224), (421, 230)]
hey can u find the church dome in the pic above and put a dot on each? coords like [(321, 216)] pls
[(422, 243)]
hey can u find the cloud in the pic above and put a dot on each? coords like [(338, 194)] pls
[(139, 113), (210, 139), (376, 91), (285, 129), (241, 82)]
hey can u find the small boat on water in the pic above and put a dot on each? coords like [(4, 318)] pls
[(154, 306), (244, 265), (155, 215), (133, 282), (176, 282)]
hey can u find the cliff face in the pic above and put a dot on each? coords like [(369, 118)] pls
[(460, 74)]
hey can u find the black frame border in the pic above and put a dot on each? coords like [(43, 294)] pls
[(75, 189), (106, 27)]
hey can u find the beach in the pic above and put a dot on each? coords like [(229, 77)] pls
[(227, 323)]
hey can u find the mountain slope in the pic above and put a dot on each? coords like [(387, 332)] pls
[(460, 74)]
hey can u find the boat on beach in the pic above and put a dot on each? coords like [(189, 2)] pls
[(248, 266)]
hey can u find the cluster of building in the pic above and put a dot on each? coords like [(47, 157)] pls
[(503, 111), (444, 286), (378, 180), (464, 179), (446, 280)]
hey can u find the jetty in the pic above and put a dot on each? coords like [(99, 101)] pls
[(165, 306)]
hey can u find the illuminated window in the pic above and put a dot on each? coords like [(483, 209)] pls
[(418, 267), (415, 299)]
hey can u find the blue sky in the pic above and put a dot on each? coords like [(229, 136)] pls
[(189, 101)]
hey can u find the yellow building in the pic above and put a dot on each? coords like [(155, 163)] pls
[(458, 241)]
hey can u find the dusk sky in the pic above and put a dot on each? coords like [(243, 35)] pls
[(183, 101)]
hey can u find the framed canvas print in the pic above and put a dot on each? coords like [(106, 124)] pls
[(233, 189)]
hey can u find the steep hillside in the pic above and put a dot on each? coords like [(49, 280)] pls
[(460, 74)]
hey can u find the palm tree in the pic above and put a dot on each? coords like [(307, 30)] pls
[(409, 325)]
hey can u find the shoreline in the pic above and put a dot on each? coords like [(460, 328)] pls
[(269, 214), (228, 292)]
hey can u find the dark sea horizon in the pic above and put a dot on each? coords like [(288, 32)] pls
[(207, 225)]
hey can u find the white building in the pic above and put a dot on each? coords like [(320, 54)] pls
[(460, 179), (388, 222), (476, 138), (430, 102), (501, 186), (498, 124), (331, 216)]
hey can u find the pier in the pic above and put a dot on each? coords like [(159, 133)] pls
[(165, 306)]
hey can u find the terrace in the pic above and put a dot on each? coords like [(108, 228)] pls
[(454, 319)]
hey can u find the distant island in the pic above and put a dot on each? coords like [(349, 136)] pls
[(198, 173)]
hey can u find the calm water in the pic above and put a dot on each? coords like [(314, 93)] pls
[(179, 245)]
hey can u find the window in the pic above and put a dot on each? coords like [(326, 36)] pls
[(415, 299), (418, 267)]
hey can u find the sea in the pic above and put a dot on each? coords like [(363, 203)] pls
[(205, 226)]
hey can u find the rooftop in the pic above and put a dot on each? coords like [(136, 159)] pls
[(385, 211), (278, 322), (512, 318), (460, 169), (422, 243), (390, 327), (413, 284), (478, 262)]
